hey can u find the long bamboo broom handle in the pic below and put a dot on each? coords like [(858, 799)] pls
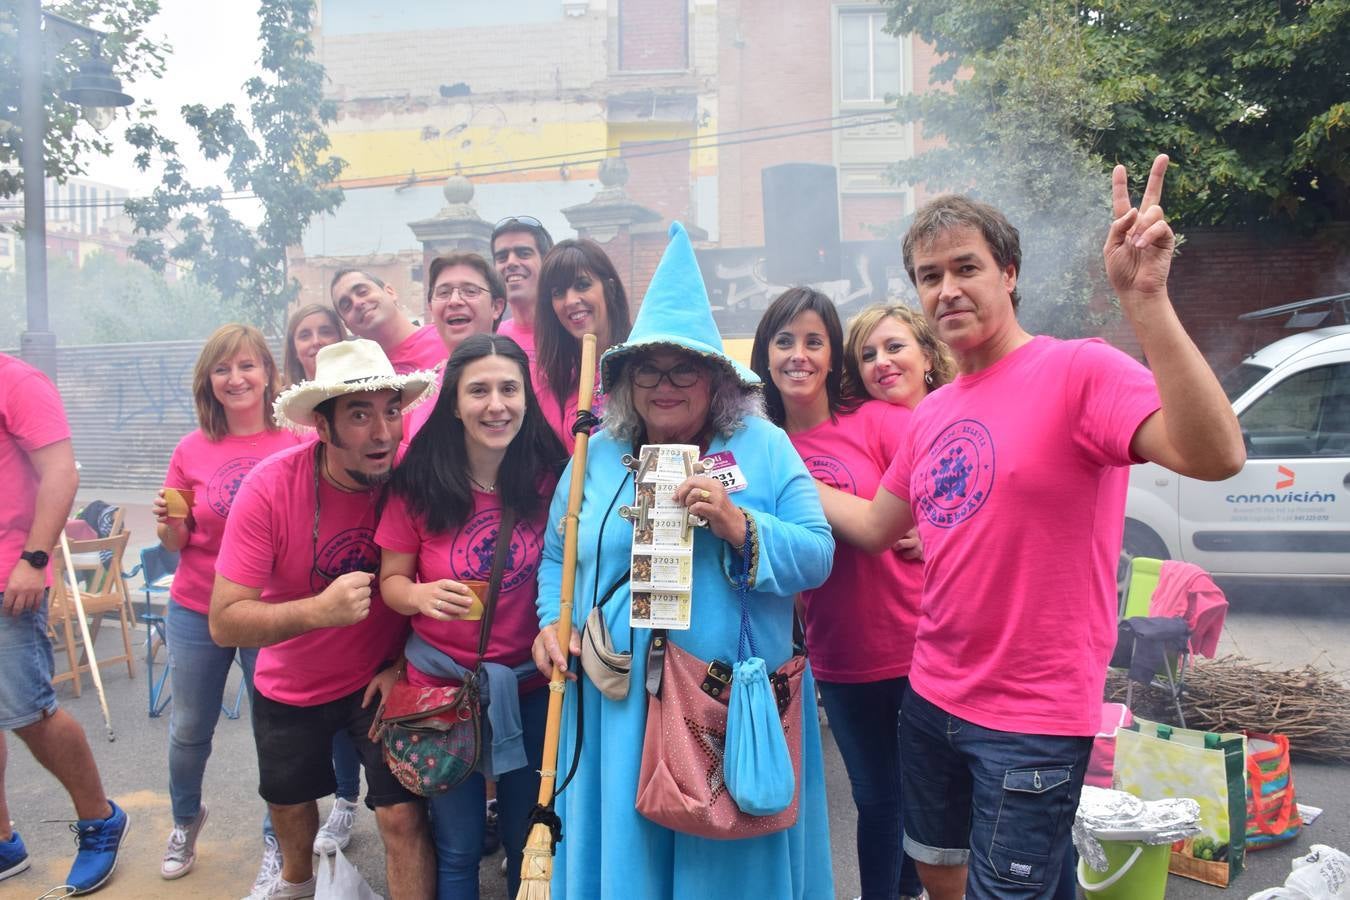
[(536, 867), (558, 684), (75, 599)]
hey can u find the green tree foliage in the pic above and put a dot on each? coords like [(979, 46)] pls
[(1019, 128), (1250, 98), (107, 301), (276, 153), (130, 49)]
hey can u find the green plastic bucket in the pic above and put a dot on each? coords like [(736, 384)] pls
[(1134, 871)]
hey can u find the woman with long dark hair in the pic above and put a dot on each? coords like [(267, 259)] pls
[(860, 623), (485, 449), (580, 293)]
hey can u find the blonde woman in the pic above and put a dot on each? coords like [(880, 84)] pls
[(233, 386)]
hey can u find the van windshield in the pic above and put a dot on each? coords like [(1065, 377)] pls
[(1237, 381)]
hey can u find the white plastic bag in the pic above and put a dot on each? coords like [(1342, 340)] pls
[(1324, 874), (339, 880)]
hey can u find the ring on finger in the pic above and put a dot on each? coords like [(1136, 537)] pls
[(704, 494)]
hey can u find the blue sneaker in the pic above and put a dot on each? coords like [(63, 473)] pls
[(13, 856), (99, 841)]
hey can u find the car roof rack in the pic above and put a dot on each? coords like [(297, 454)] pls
[(1306, 313)]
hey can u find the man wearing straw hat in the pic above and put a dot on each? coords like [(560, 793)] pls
[(296, 577), (37, 466)]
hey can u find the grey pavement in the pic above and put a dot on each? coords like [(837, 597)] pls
[(1285, 627)]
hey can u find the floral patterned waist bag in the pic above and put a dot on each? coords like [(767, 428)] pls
[(433, 736)]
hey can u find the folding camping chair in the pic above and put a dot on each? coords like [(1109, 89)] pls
[(103, 592), (1160, 642), (156, 568)]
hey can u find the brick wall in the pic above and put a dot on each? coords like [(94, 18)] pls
[(660, 181), (653, 34), (861, 214), (1222, 273), (773, 67)]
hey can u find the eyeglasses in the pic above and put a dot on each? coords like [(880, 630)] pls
[(467, 292), (542, 239), (527, 221), (680, 375)]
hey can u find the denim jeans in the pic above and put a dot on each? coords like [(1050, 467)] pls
[(865, 722), (1000, 801), (26, 694), (200, 669), (459, 816), (346, 767)]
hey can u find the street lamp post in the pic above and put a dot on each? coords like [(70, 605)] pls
[(97, 91)]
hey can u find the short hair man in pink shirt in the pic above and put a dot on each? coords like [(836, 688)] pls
[(295, 576), (519, 245), (37, 469), (1016, 474), (369, 308)]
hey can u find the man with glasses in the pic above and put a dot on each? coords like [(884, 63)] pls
[(466, 297), (519, 245), (369, 308), (296, 577)]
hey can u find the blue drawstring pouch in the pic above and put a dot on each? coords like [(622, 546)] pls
[(757, 766)]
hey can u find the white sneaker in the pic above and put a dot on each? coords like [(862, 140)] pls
[(181, 854), (281, 889), (269, 874), (336, 833)]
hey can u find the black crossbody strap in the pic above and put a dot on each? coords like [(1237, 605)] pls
[(504, 534)]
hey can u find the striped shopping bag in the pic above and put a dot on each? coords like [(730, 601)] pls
[(1272, 811)]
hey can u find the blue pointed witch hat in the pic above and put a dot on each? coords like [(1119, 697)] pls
[(675, 313)]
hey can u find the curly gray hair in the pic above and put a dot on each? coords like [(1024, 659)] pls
[(730, 401)]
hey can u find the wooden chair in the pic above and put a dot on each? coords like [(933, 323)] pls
[(106, 593)]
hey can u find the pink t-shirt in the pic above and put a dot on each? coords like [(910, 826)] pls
[(560, 419), (213, 470), (466, 553), (860, 623), (269, 545), (415, 418), (422, 349), (1017, 478), (31, 417), (524, 337)]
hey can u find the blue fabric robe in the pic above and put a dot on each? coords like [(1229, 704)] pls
[(608, 849)]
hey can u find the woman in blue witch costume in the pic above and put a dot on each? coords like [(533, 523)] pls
[(670, 382)]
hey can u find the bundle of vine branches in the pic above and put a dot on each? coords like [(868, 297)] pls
[(1310, 705)]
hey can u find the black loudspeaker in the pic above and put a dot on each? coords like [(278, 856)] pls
[(801, 223)]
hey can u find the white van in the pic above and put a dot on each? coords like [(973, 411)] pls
[(1287, 513)]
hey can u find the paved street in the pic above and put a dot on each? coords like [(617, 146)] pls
[(1285, 627)]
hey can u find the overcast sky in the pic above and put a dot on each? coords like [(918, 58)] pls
[(214, 49)]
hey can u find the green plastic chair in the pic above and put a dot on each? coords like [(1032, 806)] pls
[(1145, 573)]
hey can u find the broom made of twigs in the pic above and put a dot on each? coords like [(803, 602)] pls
[(1309, 705), (536, 869)]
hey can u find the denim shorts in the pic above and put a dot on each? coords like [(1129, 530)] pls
[(295, 750), (26, 694), (998, 801)]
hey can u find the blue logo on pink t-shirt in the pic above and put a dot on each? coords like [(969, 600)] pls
[(222, 487), (959, 474), (471, 557), (832, 472), (352, 550)]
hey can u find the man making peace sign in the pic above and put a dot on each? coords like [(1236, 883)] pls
[(1016, 476)]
